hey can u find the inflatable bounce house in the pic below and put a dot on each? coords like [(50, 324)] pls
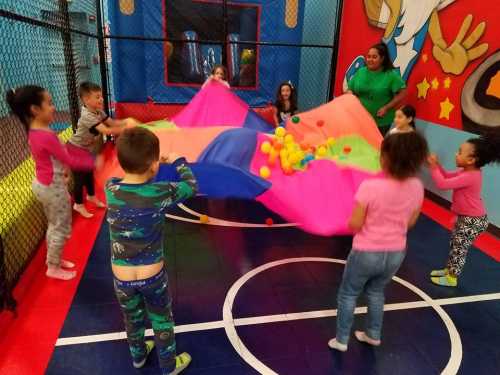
[(172, 72)]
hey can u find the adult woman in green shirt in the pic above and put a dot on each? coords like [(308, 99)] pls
[(378, 86)]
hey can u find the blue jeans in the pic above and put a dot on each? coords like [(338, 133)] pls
[(369, 272)]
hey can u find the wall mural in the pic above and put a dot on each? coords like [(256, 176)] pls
[(442, 50)]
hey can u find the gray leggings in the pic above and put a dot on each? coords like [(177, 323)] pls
[(56, 204)]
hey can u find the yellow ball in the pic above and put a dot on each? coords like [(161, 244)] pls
[(265, 172), (288, 138), (204, 219), (330, 141), (283, 153), (280, 132), (321, 151), (265, 147), (294, 158)]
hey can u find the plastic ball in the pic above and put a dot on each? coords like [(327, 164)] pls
[(283, 153), (347, 149), (265, 172), (321, 151), (265, 147), (280, 132), (289, 138), (269, 221), (278, 146), (304, 146), (335, 157), (294, 158), (295, 119), (271, 160), (331, 141), (320, 123), (204, 219)]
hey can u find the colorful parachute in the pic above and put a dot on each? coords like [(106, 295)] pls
[(308, 173)]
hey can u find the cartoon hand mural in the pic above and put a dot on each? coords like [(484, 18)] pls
[(455, 57)]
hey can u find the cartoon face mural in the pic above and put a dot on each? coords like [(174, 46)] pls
[(406, 24)]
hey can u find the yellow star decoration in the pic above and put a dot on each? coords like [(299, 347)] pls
[(446, 108), (447, 83), (425, 57), (423, 87), (435, 84)]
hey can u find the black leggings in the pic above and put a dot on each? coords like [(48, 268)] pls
[(83, 179)]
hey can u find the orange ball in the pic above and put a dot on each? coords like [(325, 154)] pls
[(204, 219), (320, 123)]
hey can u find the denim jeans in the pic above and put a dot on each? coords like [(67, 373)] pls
[(367, 272)]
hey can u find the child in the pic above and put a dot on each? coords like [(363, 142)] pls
[(404, 120), (466, 202), (136, 217), (219, 74), (286, 103), (93, 123), (385, 208), (33, 106)]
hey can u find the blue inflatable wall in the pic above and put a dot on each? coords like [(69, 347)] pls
[(139, 70)]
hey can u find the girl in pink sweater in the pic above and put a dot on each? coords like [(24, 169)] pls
[(467, 204), (34, 108)]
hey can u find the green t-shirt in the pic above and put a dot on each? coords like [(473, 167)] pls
[(376, 89)]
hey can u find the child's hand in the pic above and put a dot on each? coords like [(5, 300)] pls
[(170, 158), (131, 123), (433, 160)]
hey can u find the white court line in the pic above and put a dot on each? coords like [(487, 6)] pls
[(278, 318), (223, 223)]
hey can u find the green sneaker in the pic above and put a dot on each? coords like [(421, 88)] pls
[(439, 273), (181, 362), (150, 344), (445, 281)]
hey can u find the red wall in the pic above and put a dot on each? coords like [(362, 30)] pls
[(357, 35)]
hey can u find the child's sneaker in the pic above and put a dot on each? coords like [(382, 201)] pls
[(439, 273), (80, 208), (447, 280), (334, 344), (362, 337), (150, 344), (181, 362)]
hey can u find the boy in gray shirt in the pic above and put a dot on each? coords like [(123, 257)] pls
[(92, 125)]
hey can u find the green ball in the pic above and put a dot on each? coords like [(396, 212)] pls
[(295, 119)]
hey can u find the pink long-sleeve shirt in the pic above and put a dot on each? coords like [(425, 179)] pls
[(466, 186), (50, 156)]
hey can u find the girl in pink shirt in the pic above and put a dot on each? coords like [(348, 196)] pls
[(33, 106), (466, 201), (385, 207)]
